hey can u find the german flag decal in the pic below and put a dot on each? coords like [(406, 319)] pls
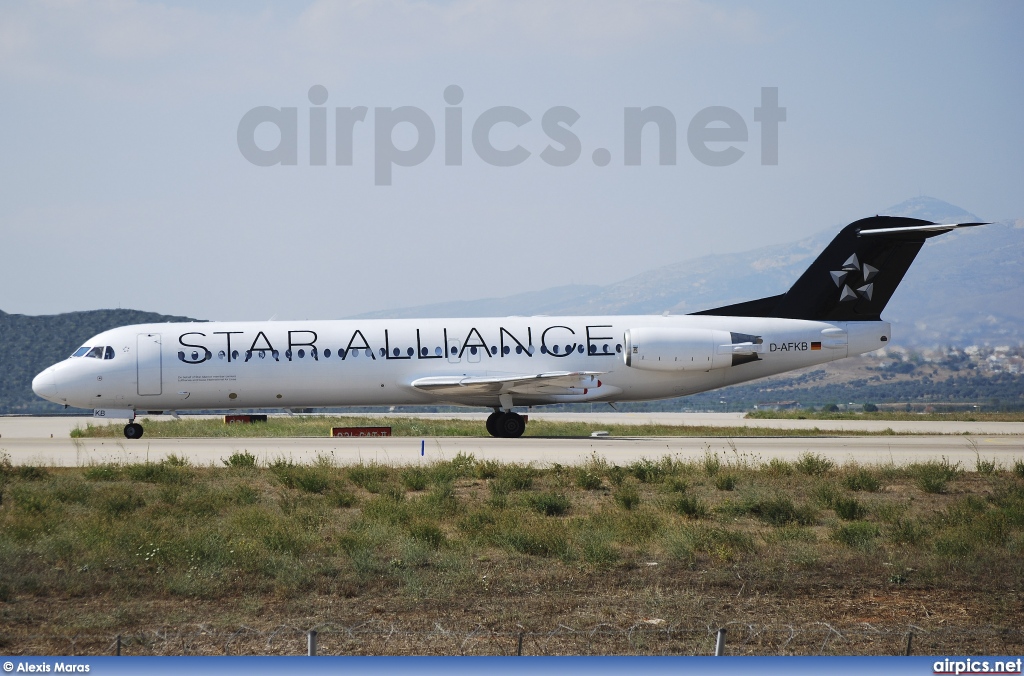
[(815, 346)]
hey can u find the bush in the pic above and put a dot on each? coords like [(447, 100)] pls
[(427, 532), (313, 479), (647, 471), (105, 472), (588, 480), (120, 500), (725, 482), (414, 478), (780, 511), (860, 534), (487, 469), (158, 473), (933, 476), (369, 477), (849, 509), (812, 464), (674, 484), (777, 467), (341, 498), (870, 408), (985, 467), (514, 478), (1018, 468), (690, 507), (862, 480), (550, 504), (240, 460), (907, 532), (627, 497), (31, 473), (712, 464)]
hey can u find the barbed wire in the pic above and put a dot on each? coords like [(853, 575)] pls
[(645, 637)]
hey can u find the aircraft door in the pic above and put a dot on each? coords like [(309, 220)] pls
[(454, 347), (149, 364)]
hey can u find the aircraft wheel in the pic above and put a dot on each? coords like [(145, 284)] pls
[(492, 423), (511, 426), (133, 431)]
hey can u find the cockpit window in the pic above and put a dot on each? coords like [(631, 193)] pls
[(81, 351), (96, 353), (108, 352)]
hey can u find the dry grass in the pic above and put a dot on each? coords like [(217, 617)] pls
[(96, 551), (320, 426)]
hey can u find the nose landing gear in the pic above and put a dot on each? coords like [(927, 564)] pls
[(133, 430), (506, 425)]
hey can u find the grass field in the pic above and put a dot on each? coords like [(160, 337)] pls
[(320, 426), (956, 416), (481, 547)]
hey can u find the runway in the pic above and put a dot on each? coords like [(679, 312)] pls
[(28, 441)]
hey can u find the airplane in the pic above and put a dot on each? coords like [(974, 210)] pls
[(832, 311)]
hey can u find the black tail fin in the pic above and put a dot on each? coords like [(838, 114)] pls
[(854, 277)]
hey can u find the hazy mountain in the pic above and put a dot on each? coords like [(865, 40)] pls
[(30, 344), (964, 287)]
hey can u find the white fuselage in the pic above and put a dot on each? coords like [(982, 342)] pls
[(236, 365)]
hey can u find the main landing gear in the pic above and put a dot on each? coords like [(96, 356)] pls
[(506, 425), (133, 430)]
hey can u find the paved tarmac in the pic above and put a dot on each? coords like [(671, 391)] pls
[(28, 441)]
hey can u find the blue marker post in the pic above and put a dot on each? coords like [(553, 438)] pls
[(423, 446)]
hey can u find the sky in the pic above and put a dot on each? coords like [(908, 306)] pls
[(131, 169)]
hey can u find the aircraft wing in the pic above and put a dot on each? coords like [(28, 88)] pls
[(551, 382)]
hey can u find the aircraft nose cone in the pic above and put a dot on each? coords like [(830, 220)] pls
[(45, 385)]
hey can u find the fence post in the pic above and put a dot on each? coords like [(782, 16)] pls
[(118, 653), (910, 640), (311, 643), (519, 648), (720, 643)]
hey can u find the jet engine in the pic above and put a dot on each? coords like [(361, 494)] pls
[(665, 349)]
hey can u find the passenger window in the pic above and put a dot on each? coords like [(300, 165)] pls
[(605, 348), (302, 353), (95, 353), (472, 350), (438, 351), (80, 351), (519, 349), (108, 353), (409, 352), (618, 347), (222, 354), (234, 354), (494, 350), (505, 350), (580, 349), (327, 353)]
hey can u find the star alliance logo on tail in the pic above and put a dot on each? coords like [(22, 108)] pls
[(844, 279)]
